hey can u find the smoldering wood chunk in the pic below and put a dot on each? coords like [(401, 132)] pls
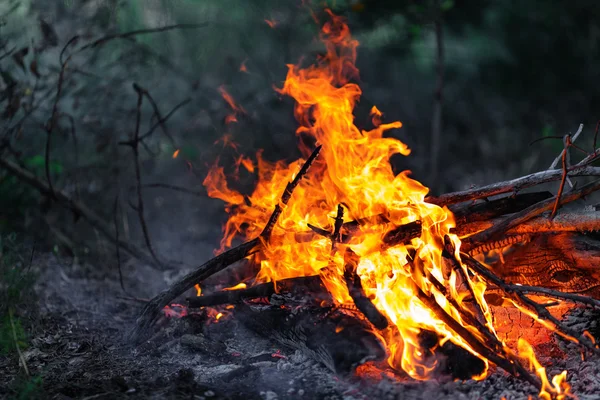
[(568, 262), (331, 337)]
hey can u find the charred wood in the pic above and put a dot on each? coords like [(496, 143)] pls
[(308, 285), (337, 340)]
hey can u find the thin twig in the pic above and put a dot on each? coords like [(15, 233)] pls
[(161, 121), (575, 298), (138, 175), (560, 156), (565, 156), (287, 194)]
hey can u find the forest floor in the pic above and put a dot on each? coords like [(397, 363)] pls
[(79, 348)]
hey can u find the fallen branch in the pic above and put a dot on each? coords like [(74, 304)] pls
[(77, 207)]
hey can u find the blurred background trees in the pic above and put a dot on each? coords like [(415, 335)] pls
[(514, 71)]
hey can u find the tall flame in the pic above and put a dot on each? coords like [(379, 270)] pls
[(354, 170)]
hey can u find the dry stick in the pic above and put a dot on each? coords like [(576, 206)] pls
[(287, 194), (161, 121), (514, 185), (89, 215), (152, 309), (61, 79), (138, 174), (525, 215), (565, 156), (449, 254), (514, 293), (560, 156), (575, 298)]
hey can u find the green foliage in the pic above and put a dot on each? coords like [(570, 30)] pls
[(16, 291), (37, 164), (16, 277), (27, 388), (8, 335)]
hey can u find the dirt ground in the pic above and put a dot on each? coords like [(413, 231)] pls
[(79, 348)]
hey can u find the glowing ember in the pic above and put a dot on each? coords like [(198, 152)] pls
[(176, 153), (354, 170), (234, 107), (271, 22)]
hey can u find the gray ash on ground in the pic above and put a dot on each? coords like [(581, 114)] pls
[(79, 348)]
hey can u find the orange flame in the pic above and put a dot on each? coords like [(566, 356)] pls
[(557, 389), (236, 287), (198, 290), (353, 169), (376, 116), (176, 153)]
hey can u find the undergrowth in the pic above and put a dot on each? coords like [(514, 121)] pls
[(17, 303)]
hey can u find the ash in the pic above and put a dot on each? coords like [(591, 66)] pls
[(79, 346)]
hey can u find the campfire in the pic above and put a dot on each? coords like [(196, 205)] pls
[(357, 265)]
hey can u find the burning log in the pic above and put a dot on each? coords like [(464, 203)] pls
[(355, 288)]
